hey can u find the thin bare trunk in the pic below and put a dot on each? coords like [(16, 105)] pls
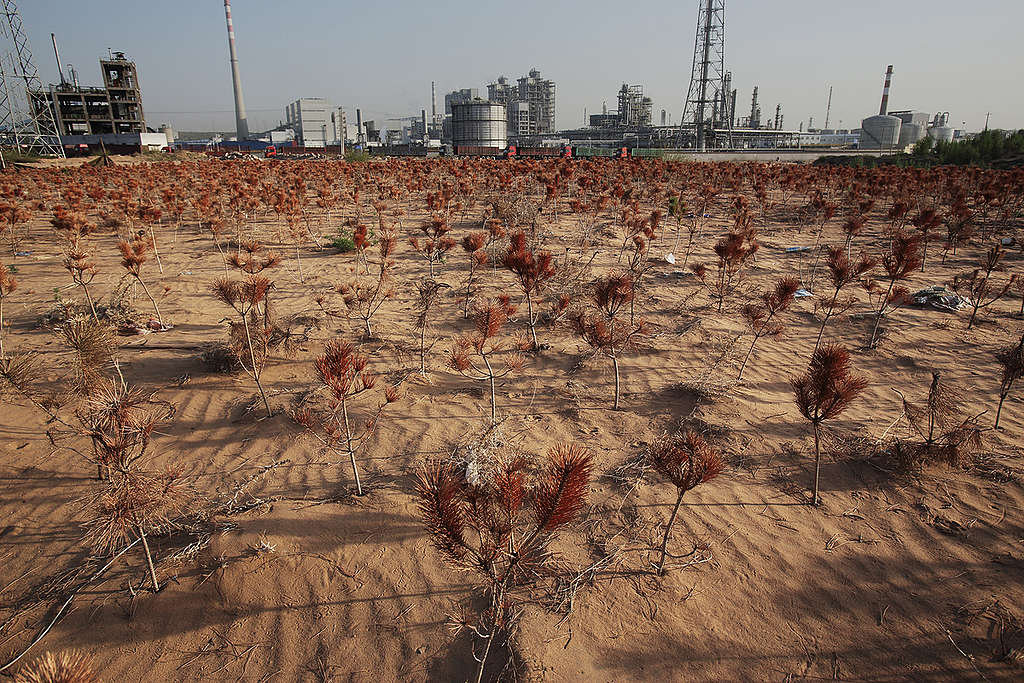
[(156, 308), (255, 369), (156, 250), (817, 461), (351, 452), (668, 528), (149, 560)]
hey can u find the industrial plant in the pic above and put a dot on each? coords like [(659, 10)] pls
[(520, 112)]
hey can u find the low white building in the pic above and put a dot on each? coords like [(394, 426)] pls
[(316, 122)]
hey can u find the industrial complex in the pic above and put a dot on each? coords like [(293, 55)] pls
[(66, 115)]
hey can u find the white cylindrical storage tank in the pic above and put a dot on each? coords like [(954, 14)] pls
[(479, 123), (911, 134), (168, 131), (880, 132), (941, 133)]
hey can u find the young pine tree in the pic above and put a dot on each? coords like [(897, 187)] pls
[(823, 392), (899, 260), (685, 461), (133, 507), (1011, 360), (365, 296), (476, 355), (343, 372), (498, 525), (945, 433), (8, 283), (250, 334), (134, 253), (761, 316), (473, 244), (733, 251), (532, 269), (842, 272), (605, 329), (979, 287)]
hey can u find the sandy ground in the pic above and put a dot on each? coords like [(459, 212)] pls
[(892, 578)]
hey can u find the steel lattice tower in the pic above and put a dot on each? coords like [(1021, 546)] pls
[(706, 102), (26, 115)]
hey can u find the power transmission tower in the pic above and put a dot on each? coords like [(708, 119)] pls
[(703, 110), (26, 114)]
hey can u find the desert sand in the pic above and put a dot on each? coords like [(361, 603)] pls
[(281, 573)]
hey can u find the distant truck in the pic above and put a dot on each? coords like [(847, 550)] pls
[(270, 152)]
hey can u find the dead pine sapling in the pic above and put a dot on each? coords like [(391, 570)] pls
[(733, 251), (899, 260), (605, 329), (762, 316), (119, 420), (134, 507), (474, 245), (149, 215), (8, 283), (365, 296), (344, 373), (482, 355), (74, 227), (926, 222), (498, 524), (67, 666), (686, 461), (944, 431), (134, 253), (94, 345), (842, 272), (435, 243), (1011, 361), (250, 334), (428, 293), (532, 269), (979, 287), (823, 392)]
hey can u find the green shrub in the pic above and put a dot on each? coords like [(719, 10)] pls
[(357, 156), (343, 243)]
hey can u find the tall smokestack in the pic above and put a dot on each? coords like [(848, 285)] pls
[(241, 122), (828, 109), (60, 69), (885, 92), (433, 103)]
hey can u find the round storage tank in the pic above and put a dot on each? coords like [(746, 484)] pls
[(479, 124), (880, 132), (911, 134), (941, 133)]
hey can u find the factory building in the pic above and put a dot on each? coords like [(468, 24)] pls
[(539, 95), (634, 108), (914, 128), (115, 108), (459, 97), (529, 105), (316, 122)]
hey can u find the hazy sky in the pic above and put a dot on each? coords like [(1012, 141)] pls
[(963, 57)]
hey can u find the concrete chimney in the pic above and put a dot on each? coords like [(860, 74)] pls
[(241, 122), (56, 55), (885, 92)]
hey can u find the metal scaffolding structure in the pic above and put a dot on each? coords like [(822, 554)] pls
[(707, 101), (26, 121)]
